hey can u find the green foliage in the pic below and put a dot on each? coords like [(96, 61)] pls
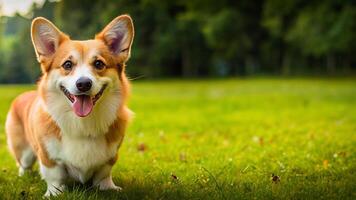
[(222, 139), (19, 64), (202, 38), (328, 30)]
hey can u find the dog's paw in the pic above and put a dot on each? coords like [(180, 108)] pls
[(54, 191), (112, 187), (108, 184), (21, 171)]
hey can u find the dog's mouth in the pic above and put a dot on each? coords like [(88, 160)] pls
[(82, 104)]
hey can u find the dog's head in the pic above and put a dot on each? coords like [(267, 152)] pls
[(82, 72)]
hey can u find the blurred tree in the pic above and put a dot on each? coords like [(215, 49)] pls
[(192, 47), (13, 67), (75, 18), (1, 43), (325, 31), (278, 18), (197, 38), (233, 35), (14, 70)]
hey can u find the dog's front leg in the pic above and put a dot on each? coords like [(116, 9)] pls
[(54, 177), (103, 179)]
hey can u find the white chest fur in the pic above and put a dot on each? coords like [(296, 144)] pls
[(81, 155), (83, 147)]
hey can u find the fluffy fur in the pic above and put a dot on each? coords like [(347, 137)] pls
[(42, 124)]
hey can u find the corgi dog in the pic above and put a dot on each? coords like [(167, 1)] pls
[(74, 123)]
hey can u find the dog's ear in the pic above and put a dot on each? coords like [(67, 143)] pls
[(46, 37), (118, 36)]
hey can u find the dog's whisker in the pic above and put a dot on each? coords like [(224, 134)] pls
[(136, 78)]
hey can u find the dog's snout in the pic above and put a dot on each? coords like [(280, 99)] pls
[(83, 84)]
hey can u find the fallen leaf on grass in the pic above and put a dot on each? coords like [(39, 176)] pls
[(142, 147), (258, 140), (325, 164), (162, 136), (340, 154), (183, 157), (23, 193), (174, 177), (185, 136), (275, 178)]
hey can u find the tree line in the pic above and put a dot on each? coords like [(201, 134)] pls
[(200, 38)]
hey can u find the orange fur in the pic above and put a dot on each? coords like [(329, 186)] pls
[(29, 124)]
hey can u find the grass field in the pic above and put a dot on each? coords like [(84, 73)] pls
[(223, 139)]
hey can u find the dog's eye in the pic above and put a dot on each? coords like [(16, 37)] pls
[(67, 65), (98, 64)]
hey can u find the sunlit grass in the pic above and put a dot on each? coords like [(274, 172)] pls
[(223, 139)]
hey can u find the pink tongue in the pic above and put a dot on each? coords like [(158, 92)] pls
[(82, 105)]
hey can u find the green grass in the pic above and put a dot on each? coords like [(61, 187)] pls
[(223, 139)]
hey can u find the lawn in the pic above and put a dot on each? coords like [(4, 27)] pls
[(261, 138)]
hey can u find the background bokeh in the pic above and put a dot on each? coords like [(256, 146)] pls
[(200, 38), (266, 109)]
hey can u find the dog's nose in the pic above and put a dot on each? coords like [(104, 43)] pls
[(83, 84)]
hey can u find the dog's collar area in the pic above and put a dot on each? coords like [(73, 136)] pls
[(71, 97)]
